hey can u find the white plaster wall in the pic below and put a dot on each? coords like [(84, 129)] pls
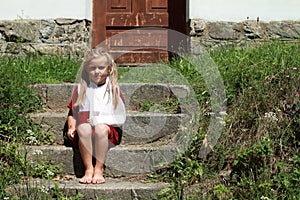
[(239, 10), (45, 9), (214, 10)]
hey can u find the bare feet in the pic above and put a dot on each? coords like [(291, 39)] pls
[(87, 178), (98, 177)]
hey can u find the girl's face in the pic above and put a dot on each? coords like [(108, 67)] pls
[(98, 70)]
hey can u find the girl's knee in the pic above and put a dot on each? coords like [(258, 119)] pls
[(84, 130), (101, 130)]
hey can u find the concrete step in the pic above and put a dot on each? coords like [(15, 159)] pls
[(139, 128), (56, 97), (113, 189), (121, 161)]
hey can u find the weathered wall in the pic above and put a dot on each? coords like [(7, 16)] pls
[(59, 36), (215, 34), (71, 36)]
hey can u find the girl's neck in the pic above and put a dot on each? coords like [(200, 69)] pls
[(99, 84)]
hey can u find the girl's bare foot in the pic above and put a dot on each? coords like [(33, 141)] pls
[(98, 177), (87, 178)]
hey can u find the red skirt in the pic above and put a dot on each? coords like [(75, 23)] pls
[(115, 133)]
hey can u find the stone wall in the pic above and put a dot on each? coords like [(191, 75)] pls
[(59, 36), (71, 36), (218, 34)]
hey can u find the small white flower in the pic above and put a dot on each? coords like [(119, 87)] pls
[(264, 198), (28, 131), (50, 173), (32, 140), (223, 113), (210, 113), (271, 116), (38, 152), (44, 189)]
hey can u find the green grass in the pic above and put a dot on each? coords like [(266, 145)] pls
[(41, 69), (262, 132), (259, 146)]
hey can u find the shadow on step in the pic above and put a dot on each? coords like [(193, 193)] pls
[(77, 163)]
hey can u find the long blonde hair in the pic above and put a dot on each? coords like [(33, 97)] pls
[(85, 81)]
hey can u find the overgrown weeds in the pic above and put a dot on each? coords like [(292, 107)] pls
[(258, 150), (17, 100), (256, 157)]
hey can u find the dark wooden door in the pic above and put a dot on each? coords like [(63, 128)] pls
[(128, 28)]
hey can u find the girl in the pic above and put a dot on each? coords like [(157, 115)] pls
[(96, 113)]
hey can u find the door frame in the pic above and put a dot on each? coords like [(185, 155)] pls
[(98, 26), (178, 19)]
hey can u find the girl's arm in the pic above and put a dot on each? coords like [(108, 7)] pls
[(71, 119), (71, 126)]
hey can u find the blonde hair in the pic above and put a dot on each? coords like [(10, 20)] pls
[(84, 77)]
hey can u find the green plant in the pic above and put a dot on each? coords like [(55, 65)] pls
[(253, 158), (40, 190), (41, 69), (262, 85), (17, 100), (16, 127), (183, 172), (44, 170), (60, 195), (221, 192), (286, 181), (12, 166), (259, 147), (169, 106), (262, 125)]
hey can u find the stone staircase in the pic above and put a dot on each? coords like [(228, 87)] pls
[(151, 140)]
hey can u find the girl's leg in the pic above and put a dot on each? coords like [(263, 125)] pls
[(101, 147), (86, 149)]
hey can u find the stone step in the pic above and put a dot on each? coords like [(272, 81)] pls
[(113, 189), (139, 128), (56, 97), (121, 161)]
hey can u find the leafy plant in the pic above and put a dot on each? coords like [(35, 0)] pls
[(169, 106), (262, 86), (12, 166)]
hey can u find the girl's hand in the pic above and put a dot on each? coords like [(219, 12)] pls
[(71, 133), (71, 127)]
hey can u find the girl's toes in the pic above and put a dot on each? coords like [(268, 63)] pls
[(98, 179)]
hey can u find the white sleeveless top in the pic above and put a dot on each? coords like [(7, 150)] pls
[(100, 106)]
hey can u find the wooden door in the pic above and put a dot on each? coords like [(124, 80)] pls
[(128, 28)]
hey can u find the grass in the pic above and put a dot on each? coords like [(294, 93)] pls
[(262, 128), (258, 150), (41, 69)]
